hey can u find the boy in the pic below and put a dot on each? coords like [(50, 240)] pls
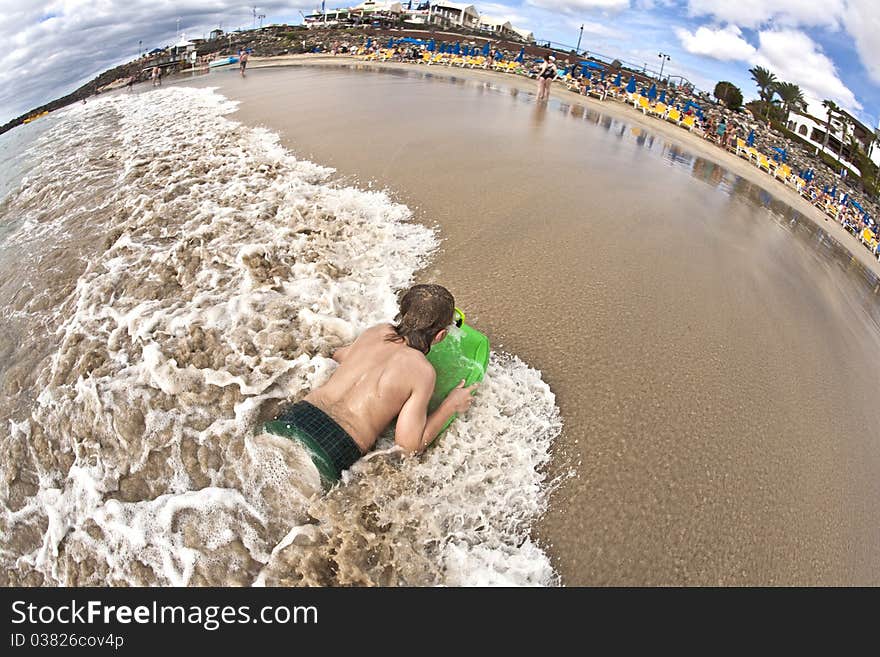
[(384, 374)]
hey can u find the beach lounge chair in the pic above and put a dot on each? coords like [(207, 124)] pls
[(689, 122), (753, 153), (512, 67), (426, 57), (868, 238), (659, 109), (673, 115), (783, 172), (764, 163), (741, 149), (643, 104)]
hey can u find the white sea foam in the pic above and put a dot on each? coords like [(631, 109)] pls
[(225, 274)]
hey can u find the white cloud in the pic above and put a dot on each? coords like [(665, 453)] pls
[(573, 6), (718, 43), (596, 29), (795, 57), (790, 54), (757, 13), (53, 47), (862, 21), (500, 10)]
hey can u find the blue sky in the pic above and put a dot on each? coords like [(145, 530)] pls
[(53, 46)]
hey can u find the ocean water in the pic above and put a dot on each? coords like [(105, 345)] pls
[(169, 279)]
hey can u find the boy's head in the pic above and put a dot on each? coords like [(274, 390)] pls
[(425, 312)]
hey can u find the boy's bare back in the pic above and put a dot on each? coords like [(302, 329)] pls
[(378, 379)]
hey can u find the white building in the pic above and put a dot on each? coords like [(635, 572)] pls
[(455, 13), (369, 7), (813, 129), (525, 35), (497, 26)]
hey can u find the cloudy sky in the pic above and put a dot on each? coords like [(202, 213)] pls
[(825, 46)]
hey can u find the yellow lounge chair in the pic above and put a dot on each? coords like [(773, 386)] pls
[(868, 238), (659, 109), (673, 115), (764, 163), (689, 122), (783, 171), (741, 147)]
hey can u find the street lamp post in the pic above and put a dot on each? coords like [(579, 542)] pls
[(663, 59), (578, 49)]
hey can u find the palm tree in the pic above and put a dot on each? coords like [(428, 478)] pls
[(845, 121), (832, 108), (765, 81), (791, 95)]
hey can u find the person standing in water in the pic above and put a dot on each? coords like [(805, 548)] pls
[(383, 375), (242, 61), (545, 76)]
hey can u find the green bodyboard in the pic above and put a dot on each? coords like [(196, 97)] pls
[(462, 354)]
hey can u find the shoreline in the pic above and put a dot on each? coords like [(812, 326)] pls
[(615, 109)]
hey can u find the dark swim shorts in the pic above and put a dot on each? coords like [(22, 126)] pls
[(331, 448)]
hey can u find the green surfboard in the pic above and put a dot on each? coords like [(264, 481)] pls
[(462, 355)]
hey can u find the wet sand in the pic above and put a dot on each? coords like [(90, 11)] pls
[(714, 356)]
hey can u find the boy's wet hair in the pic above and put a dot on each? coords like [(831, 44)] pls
[(425, 310)]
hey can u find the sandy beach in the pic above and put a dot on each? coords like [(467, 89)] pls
[(712, 353), (691, 141)]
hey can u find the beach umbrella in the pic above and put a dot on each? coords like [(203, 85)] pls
[(486, 50), (499, 56), (652, 92), (390, 43), (369, 41), (520, 56), (431, 45), (602, 74), (750, 140), (663, 96), (617, 80), (442, 47), (631, 85), (856, 203), (456, 50)]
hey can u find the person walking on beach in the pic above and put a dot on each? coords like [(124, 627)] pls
[(720, 130), (242, 61), (381, 376), (545, 76)]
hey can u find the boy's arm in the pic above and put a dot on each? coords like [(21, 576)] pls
[(415, 429)]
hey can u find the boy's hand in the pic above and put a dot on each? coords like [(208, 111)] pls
[(460, 398)]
